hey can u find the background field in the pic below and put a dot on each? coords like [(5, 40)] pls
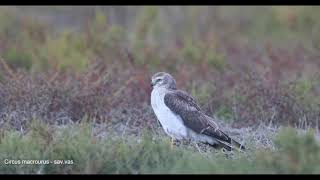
[(75, 84)]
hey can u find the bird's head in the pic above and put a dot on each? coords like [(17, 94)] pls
[(163, 79)]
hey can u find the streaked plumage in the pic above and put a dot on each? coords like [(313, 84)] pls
[(182, 118)]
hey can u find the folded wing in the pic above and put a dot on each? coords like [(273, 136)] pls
[(185, 106)]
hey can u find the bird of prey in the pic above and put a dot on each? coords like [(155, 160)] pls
[(182, 118)]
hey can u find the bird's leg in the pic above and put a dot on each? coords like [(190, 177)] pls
[(172, 143), (197, 146)]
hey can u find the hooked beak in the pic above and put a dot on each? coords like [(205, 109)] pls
[(152, 84)]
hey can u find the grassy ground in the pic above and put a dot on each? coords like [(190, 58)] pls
[(84, 74), (82, 151)]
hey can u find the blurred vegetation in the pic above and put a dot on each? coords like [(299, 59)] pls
[(261, 55), (217, 47), (150, 154)]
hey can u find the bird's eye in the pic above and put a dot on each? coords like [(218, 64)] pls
[(158, 80)]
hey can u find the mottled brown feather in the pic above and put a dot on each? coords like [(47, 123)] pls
[(192, 116)]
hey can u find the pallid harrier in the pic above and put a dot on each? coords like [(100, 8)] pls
[(181, 117)]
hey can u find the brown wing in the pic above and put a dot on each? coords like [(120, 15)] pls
[(185, 106)]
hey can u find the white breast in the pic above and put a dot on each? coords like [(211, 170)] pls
[(171, 123)]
